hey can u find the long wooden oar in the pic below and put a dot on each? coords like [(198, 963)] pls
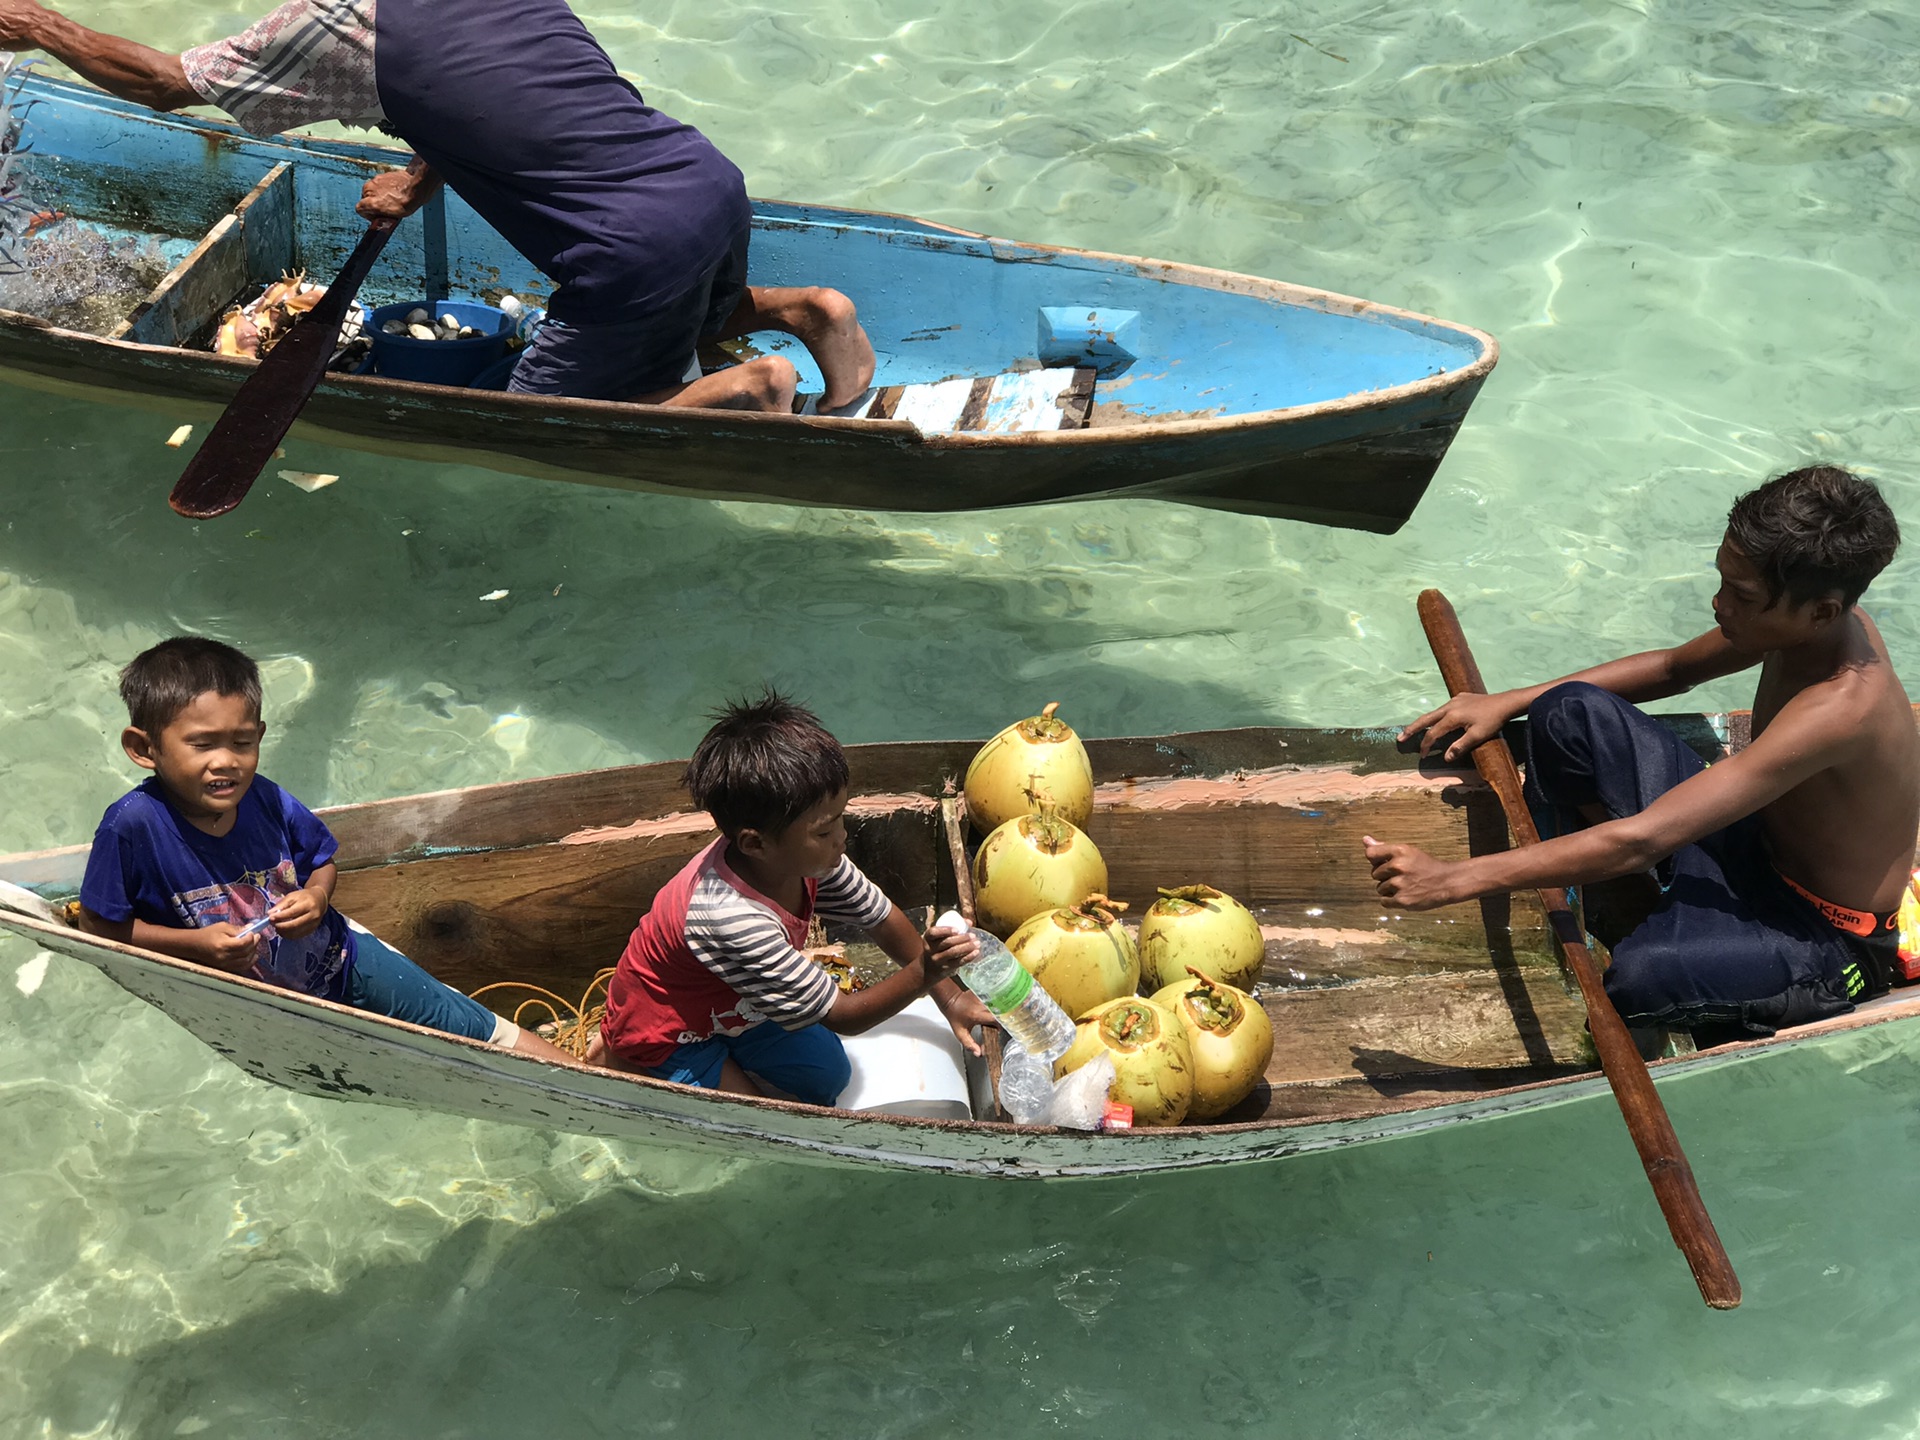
[(258, 417), (1646, 1117)]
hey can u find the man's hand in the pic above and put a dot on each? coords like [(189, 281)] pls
[(393, 194), (298, 914), (1406, 876), (963, 1010), (1478, 718)]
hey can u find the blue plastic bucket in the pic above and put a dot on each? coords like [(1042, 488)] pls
[(438, 362)]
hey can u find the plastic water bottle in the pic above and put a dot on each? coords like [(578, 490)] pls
[(1026, 1085), (527, 319), (1030, 1015)]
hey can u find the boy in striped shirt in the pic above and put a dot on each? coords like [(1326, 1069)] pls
[(713, 989)]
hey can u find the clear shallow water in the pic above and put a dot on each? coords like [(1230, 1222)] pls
[(1689, 227)]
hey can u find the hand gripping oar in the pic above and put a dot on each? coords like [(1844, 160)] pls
[(1646, 1117), (258, 417)]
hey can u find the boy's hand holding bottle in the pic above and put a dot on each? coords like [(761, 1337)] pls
[(947, 950)]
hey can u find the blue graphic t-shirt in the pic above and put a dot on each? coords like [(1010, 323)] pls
[(148, 863)]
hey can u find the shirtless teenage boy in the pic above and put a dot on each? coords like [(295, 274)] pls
[(1779, 867)]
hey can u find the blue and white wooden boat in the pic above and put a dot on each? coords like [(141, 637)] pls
[(1182, 383), (1384, 1026)]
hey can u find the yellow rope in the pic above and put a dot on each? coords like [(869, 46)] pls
[(571, 1035)]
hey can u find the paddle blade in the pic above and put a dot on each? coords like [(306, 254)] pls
[(257, 419)]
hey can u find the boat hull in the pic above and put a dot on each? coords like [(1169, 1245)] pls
[(333, 1052)]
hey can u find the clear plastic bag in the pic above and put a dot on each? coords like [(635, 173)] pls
[(1080, 1099)]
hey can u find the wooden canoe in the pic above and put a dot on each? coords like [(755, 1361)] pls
[(1208, 388), (1385, 1024)]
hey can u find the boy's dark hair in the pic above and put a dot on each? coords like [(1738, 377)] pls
[(1813, 530), (764, 764), (161, 682)]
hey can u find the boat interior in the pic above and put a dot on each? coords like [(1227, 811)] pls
[(1371, 1009), (1140, 341), (540, 882)]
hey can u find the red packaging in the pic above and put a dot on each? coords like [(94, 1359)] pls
[(1116, 1116)]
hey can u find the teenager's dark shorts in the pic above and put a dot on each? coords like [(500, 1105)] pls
[(628, 357), (1728, 943)]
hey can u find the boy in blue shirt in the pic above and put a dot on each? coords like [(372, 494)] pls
[(210, 862)]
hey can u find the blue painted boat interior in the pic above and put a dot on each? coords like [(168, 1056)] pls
[(935, 303)]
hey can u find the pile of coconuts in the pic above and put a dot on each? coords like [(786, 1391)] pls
[(1176, 1010)]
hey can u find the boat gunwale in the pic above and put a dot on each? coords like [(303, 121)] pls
[(548, 407)]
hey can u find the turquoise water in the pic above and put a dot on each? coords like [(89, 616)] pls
[(1689, 225)]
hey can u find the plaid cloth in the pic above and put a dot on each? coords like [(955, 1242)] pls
[(310, 60)]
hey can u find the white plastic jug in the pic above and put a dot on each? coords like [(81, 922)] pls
[(909, 1064)]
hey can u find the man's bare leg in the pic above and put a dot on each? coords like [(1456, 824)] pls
[(766, 384), (823, 320)]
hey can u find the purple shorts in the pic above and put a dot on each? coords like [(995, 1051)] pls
[(628, 357)]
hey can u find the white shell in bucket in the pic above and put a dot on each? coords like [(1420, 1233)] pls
[(910, 1064)]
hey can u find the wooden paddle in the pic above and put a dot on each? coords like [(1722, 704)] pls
[(1646, 1117), (257, 419)]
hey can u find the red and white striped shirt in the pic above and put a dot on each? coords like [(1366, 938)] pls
[(716, 957)]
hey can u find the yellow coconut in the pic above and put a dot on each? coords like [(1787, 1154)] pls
[(1031, 864), (1152, 1058), (1028, 767), (1229, 1035), (1081, 954), (1199, 926)]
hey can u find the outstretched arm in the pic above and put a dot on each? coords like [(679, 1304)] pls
[(132, 71), (1809, 735), (1650, 675)]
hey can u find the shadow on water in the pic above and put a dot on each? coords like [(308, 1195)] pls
[(626, 615), (1504, 1278)]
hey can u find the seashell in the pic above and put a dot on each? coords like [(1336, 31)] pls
[(421, 332), (418, 316), (511, 307), (394, 327), (450, 321), (179, 436), (238, 336), (467, 332)]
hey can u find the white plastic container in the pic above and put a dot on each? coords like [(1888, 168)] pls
[(909, 1064)]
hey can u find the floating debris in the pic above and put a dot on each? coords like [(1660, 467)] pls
[(307, 480), (495, 595), (179, 437)]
